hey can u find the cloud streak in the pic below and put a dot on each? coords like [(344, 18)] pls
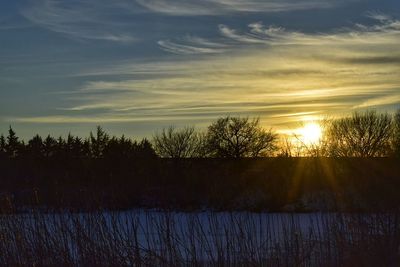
[(82, 19), (220, 7), (384, 33), (175, 48)]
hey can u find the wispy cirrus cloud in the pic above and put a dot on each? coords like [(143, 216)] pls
[(193, 45), (82, 19), (385, 32), (218, 7), (379, 101), (186, 49), (283, 76)]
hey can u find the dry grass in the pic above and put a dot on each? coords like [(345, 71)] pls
[(198, 239)]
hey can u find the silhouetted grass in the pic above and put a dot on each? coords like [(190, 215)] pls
[(140, 238)]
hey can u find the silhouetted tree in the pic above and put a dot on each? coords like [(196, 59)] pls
[(117, 148), (236, 137), (145, 149), (77, 147), (98, 142), (50, 146), (365, 134), (35, 147), (61, 149), (178, 143), (71, 147), (14, 146)]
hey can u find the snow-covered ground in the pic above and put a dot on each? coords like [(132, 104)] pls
[(189, 237)]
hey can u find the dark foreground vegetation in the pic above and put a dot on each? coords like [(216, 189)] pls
[(199, 239)]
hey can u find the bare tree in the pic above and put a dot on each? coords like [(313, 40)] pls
[(365, 134), (236, 137), (179, 143)]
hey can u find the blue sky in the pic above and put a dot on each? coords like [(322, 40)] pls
[(135, 66)]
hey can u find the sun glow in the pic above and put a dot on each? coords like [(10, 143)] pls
[(311, 133)]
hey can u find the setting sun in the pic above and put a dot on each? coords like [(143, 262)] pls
[(311, 133)]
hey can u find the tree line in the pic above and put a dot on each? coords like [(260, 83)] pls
[(121, 173), (363, 134), (97, 145)]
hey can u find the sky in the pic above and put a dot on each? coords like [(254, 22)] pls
[(136, 66)]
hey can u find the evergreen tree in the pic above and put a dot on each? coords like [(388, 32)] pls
[(13, 146), (85, 148), (35, 147), (69, 144), (78, 148), (61, 149), (98, 142), (146, 149), (50, 146), (115, 148)]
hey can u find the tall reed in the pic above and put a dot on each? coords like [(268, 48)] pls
[(149, 238)]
